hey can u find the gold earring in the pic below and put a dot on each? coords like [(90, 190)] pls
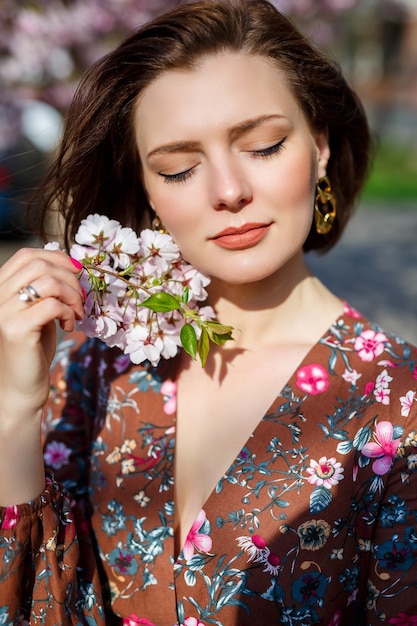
[(157, 225), (324, 206)]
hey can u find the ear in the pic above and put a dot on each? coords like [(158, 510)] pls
[(323, 152)]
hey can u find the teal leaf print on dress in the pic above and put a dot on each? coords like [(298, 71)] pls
[(344, 447), (362, 437), (275, 593), (190, 578), (320, 499)]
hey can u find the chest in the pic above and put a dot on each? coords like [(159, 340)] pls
[(217, 413)]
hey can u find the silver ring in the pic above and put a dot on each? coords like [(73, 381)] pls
[(28, 294)]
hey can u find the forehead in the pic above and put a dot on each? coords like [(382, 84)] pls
[(221, 90)]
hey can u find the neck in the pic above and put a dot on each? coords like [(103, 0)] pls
[(293, 306)]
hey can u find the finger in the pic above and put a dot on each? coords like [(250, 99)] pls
[(47, 279), (36, 260), (27, 324), (50, 286)]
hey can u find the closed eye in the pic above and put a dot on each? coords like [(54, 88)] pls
[(270, 150), (180, 177)]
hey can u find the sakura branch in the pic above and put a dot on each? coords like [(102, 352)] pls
[(140, 294)]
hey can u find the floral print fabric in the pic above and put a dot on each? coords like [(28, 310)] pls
[(315, 521)]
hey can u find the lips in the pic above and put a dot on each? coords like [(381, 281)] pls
[(245, 236)]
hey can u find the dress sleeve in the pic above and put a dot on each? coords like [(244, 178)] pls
[(392, 581), (48, 568)]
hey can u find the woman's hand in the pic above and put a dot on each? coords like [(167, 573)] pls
[(27, 347)]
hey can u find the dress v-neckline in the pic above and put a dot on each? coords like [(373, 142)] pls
[(308, 358)]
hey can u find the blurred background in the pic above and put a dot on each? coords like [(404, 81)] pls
[(45, 46)]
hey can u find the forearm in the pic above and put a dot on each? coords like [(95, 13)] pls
[(21, 460)]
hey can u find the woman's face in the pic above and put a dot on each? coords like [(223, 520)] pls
[(230, 165)]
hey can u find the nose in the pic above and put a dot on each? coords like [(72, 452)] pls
[(229, 187)]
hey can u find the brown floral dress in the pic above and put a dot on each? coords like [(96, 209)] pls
[(315, 521)]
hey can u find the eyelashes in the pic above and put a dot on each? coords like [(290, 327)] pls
[(178, 178), (262, 153), (270, 151)]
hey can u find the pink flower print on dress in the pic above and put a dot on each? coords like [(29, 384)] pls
[(349, 310), (192, 621), (312, 379), (407, 402), (134, 620), (402, 619), (259, 552), (384, 448), (351, 376), (325, 472), (383, 379), (254, 545), (370, 344), (336, 619), (271, 561), (169, 391), (56, 454), (195, 540), (369, 387), (382, 395), (11, 517)]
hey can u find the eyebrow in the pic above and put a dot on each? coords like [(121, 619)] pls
[(234, 133)]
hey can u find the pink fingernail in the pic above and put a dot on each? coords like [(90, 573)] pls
[(83, 291), (76, 263)]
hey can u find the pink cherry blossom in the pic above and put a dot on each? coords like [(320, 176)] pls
[(139, 292), (160, 249), (56, 454), (141, 347), (325, 472), (370, 344), (96, 229), (384, 448), (195, 540), (407, 402), (312, 379)]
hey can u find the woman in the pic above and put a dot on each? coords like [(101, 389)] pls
[(295, 447)]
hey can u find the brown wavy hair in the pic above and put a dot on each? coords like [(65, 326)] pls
[(97, 167)]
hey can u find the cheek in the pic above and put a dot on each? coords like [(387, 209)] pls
[(178, 213), (292, 184)]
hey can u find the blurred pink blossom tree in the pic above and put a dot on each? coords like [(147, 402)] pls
[(45, 45)]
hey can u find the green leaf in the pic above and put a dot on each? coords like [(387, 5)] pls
[(161, 302), (185, 295), (218, 328), (219, 340), (188, 339), (203, 346)]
